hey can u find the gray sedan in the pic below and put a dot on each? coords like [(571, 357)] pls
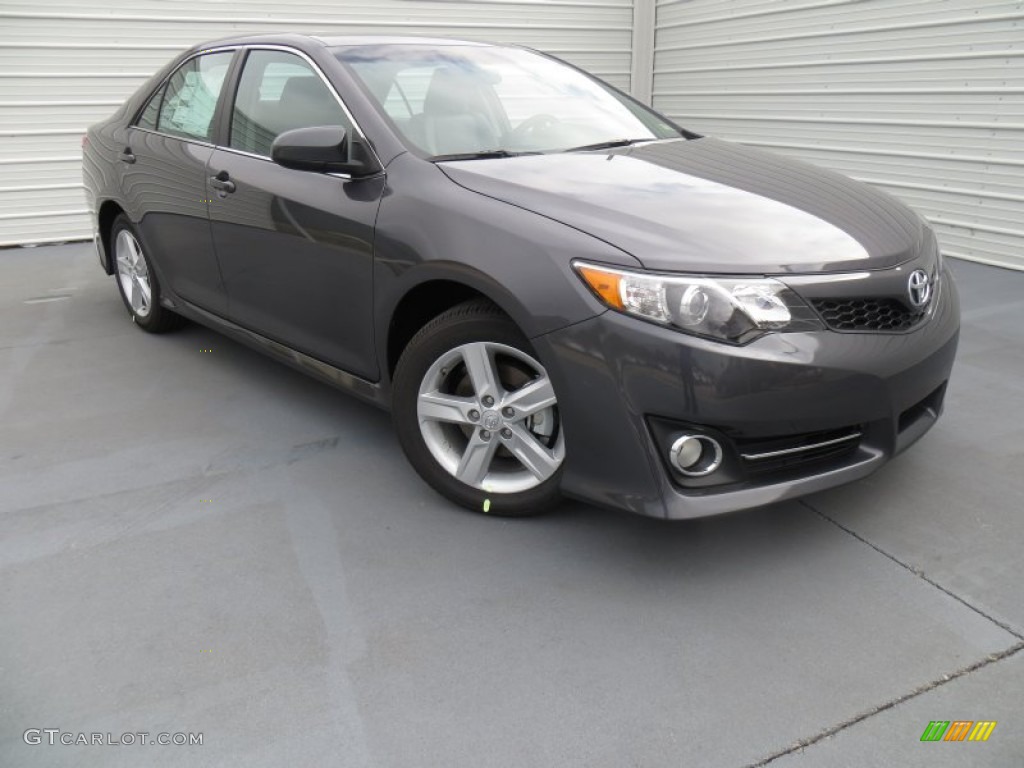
[(553, 288)]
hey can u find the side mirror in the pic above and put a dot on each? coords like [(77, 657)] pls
[(324, 149)]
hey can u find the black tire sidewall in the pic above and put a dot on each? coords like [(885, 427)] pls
[(470, 322)]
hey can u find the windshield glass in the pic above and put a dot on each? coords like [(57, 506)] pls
[(466, 99)]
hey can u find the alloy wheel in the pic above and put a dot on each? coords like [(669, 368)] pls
[(133, 272), (488, 415)]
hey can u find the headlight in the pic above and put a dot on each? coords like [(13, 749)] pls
[(733, 309)]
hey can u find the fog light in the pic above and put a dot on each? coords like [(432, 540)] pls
[(696, 455)]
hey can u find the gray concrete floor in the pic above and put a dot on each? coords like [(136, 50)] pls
[(197, 541)]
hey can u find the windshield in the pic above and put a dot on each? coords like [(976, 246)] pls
[(462, 100)]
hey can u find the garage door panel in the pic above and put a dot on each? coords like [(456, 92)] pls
[(971, 106), (19, 174), (70, 86), (55, 228), (974, 142), (719, 17), (769, 49), (107, 59), (975, 70), (29, 115), (31, 198), (22, 148)]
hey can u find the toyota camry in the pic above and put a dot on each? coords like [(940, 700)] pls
[(553, 288)]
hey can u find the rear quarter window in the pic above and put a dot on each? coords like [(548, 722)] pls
[(149, 115)]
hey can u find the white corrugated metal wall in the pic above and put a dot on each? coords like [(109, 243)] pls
[(66, 64), (924, 98)]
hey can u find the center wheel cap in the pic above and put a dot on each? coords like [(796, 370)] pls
[(491, 420)]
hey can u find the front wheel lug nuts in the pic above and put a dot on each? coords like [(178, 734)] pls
[(506, 433), (488, 401), (474, 415), (485, 435), (508, 413)]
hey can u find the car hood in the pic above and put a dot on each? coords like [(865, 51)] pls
[(707, 205)]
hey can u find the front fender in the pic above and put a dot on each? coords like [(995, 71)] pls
[(430, 228)]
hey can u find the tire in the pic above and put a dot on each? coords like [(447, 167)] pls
[(137, 282), (476, 413)]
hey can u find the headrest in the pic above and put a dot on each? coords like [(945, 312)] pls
[(451, 92), (299, 91), (306, 101)]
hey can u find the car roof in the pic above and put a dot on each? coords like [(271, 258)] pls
[(347, 40), (333, 41)]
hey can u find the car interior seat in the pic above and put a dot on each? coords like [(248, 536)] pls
[(454, 117)]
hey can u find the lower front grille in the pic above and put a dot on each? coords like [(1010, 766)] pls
[(867, 314), (772, 455)]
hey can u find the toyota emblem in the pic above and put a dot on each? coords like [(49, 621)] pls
[(919, 288)]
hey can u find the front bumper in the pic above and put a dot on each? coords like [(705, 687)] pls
[(624, 384)]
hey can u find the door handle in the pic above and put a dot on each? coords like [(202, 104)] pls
[(127, 156), (222, 183)]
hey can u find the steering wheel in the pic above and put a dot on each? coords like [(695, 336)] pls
[(531, 125)]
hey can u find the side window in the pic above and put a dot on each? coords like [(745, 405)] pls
[(190, 97), (148, 117), (278, 92)]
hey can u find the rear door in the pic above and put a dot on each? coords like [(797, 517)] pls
[(295, 247), (164, 178)]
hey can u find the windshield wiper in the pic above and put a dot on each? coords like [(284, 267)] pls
[(484, 154), (608, 144)]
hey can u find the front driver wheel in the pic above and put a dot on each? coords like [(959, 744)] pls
[(477, 415)]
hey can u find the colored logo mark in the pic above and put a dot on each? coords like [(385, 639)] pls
[(958, 730)]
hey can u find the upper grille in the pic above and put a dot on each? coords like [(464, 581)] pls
[(862, 314)]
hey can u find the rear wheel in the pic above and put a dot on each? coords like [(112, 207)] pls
[(137, 282), (477, 415)]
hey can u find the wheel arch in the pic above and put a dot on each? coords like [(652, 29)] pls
[(422, 293), (109, 210), (420, 304)]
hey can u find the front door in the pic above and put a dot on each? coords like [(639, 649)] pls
[(295, 247)]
